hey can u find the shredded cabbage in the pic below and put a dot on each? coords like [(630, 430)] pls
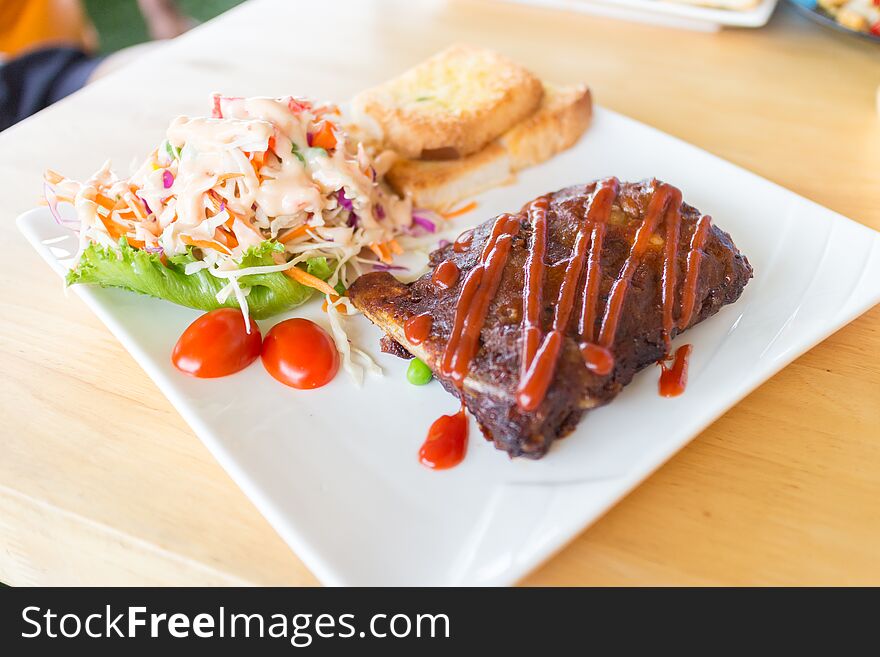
[(225, 205)]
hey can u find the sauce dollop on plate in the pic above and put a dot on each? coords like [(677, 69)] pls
[(446, 443)]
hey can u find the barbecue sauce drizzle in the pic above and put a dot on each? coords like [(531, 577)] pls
[(540, 352), (446, 275), (418, 328), (477, 292), (539, 364), (463, 241)]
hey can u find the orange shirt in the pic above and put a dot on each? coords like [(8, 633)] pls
[(29, 24)]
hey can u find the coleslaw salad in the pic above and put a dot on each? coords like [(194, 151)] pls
[(256, 206)]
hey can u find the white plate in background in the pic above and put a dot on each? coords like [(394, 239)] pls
[(666, 12), (335, 470)]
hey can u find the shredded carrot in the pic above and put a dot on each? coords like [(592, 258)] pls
[(106, 203), (135, 207), (257, 161), (324, 137), (333, 299), (154, 228), (219, 204), (381, 251), (460, 211), (113, 228), (304, 277), (53, 177), (205, 244), (135, 244), (122, 210), (293, 234), (395, 247), (223, 177), (215, 199), (247, 221), (225, 237)]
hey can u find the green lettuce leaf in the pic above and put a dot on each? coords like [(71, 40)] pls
[(143, 272), (319, 267)]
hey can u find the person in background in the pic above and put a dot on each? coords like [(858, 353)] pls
[(48, 50)]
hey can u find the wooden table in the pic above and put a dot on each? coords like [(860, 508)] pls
[(101, 482)]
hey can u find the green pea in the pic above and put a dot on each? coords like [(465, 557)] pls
[(418, 373)]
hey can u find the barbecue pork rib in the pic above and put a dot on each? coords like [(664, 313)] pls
[(718, 274)]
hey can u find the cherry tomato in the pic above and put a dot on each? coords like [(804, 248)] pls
[(217, 344), (300, 354)]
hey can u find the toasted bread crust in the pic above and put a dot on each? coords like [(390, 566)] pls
[(441, 184), (562, 118), (457, 102)]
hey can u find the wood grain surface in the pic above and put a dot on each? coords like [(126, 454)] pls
[(101, 482)]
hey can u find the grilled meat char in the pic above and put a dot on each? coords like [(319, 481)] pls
[(489, 389)]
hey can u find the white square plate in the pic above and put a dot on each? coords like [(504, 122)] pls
[(335, 469)]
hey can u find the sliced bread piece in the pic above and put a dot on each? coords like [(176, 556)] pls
[(562, 118), (439, 185), (451, 105)]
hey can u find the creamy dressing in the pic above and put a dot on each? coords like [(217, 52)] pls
[(204, 134), (228, 183), (290, 193), (259, 169)]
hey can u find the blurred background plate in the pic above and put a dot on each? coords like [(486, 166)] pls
[(811, 9), (685, 14)]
